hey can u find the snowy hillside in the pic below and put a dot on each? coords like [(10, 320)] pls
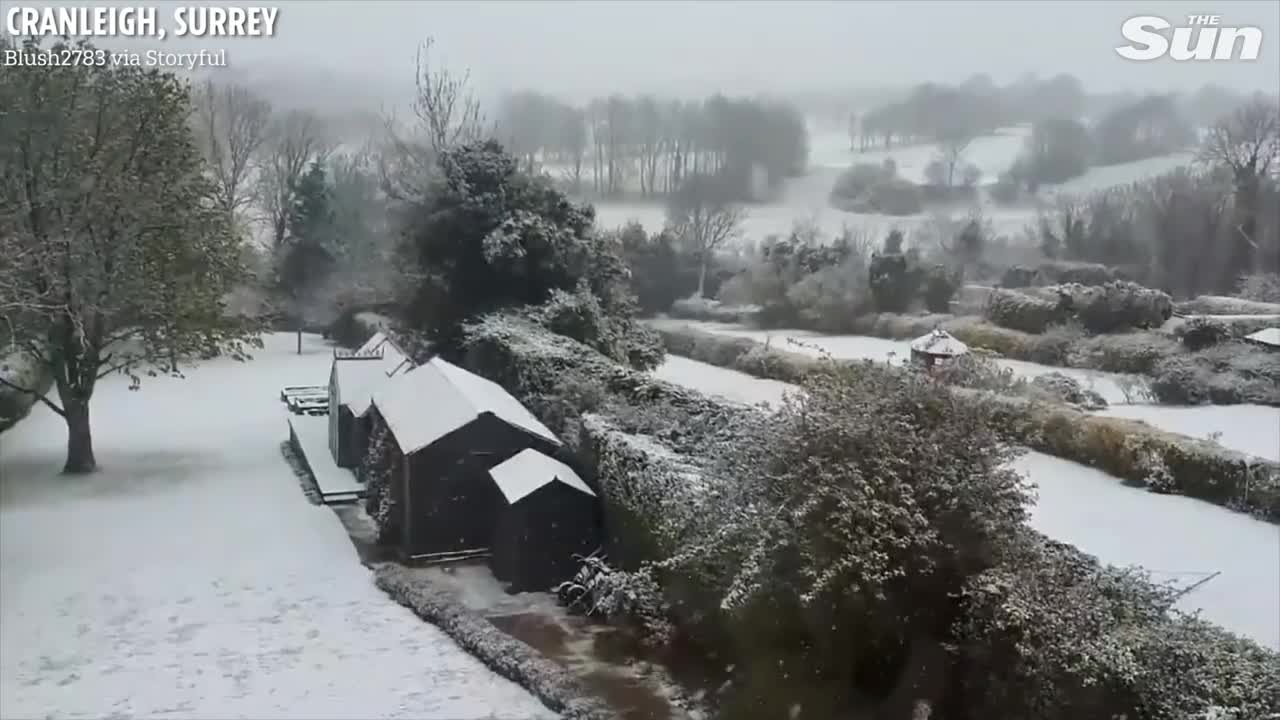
[(190, 578)]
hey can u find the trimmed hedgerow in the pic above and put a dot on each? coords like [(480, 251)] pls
[(686, 489), (505, 655), (1129, 449)]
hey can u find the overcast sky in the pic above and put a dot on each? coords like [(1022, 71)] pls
[(686, 48)]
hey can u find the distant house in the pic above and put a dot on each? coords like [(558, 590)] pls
[(454, 430), (549, 514), (353, 379)]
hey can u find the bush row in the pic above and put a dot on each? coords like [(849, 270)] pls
[(1227, 373), (696, 308), (1115, 650), (1223, 305), (1129, 449), (1112, 307), (505, 655)]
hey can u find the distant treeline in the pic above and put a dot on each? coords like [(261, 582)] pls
[(648, 145), (935, 113)]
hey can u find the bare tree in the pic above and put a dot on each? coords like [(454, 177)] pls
[(231, 125), (701, 215), (448, 112), (952, 148), (1246, 142), (445, 114), (294, 141)]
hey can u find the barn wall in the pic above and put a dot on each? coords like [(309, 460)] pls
[(335, 437), (455, 504), (536, 538)]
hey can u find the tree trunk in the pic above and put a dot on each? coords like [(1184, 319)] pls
[(299, 338), (80, 457), (702, 276)]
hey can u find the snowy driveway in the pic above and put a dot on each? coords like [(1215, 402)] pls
[(190, 578)]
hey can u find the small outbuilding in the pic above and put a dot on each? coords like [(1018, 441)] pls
[(452, 429), (353, 379), (938, 345), (549, 515)]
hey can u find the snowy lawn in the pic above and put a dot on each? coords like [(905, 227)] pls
[(190, 577)]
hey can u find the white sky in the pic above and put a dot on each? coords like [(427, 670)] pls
[(692, 48)]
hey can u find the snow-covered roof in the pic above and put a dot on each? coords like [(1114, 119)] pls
[(1267, 336), (529, 470), (358, 378), (432, 400), (379, 342), (939, 343)]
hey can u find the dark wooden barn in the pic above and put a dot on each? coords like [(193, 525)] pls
[(453, 428), (353, 379), (549, 515)]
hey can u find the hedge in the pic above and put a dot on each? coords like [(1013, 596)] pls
[(505, 655), (648, 485), (1129, 449)]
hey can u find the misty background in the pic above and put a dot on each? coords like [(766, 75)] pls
[(332, 55)]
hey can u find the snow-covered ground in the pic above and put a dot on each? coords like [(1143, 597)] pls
[(1179, 540), (190, 577), (806, 198)]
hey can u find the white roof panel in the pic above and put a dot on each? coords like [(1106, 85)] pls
[(359, 378), (432, 400), (529, 470), (372, 343), (939, 342), (1266, 336)]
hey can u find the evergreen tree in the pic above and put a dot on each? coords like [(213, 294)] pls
[(310, 250)]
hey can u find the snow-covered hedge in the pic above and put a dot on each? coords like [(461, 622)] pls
[(556, 687), (1128, 449), (698, 308), (1225, 305), (1023, 311), (647, 448)]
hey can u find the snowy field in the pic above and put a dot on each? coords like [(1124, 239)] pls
[(1179, 540), (190, 577), (806, 198)]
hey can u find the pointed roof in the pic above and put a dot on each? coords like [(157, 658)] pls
[(380, 342), (432, 400), (358, 378), (528, 470), (1266, 336), (361, 373), (939, 343)]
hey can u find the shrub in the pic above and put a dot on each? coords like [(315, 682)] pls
[(1106, 646), (1064, 388), (580, 315), (1061, 272), (698, 308), (1199, 333), (1017, 277), (940, 286), (1022, 311), (875, 188), (853, 518), (1117, 306)]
